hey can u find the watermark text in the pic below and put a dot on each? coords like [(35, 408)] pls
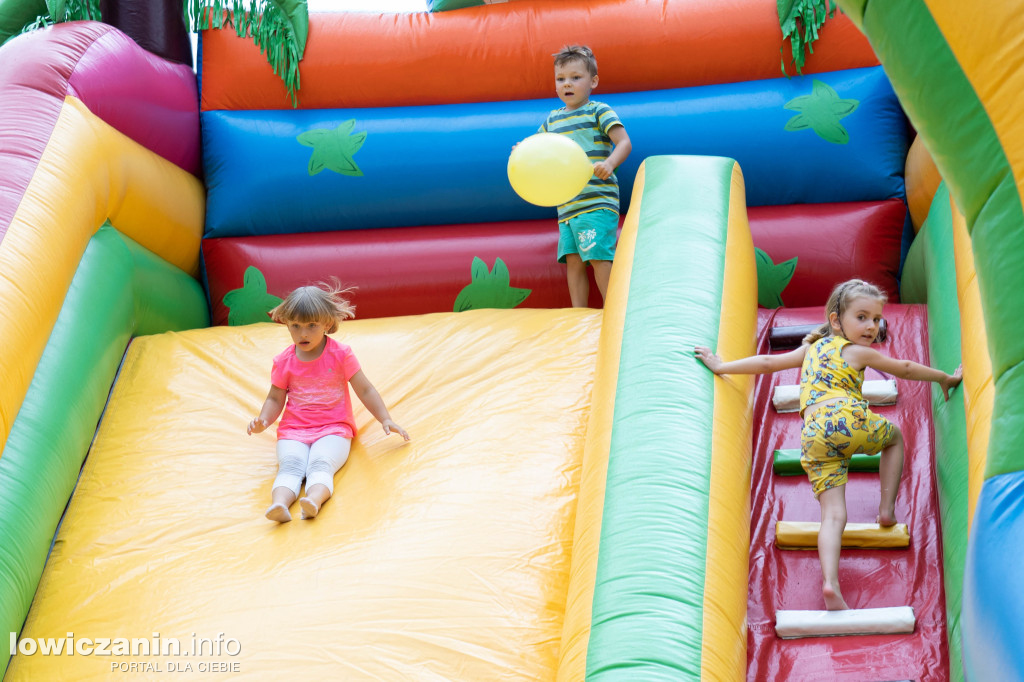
[(155, 645)]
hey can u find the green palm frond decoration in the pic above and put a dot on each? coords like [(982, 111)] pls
[(800, 21), (278, 27), (43, 13)]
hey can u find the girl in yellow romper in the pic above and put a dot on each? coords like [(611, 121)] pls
[(837, 421)]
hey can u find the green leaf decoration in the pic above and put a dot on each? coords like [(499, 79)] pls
[(821, 112), (278, 27), (445, 5), (479, 269), (57, 9), (772, 279), (800, 21), (489, 288), (251, 303), (334, 149), (21, 17)]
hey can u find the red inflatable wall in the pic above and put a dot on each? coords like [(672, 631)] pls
[(832, 243), (414, 270)]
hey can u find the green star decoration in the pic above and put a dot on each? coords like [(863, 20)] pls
[(251, 303), (772, 279), (489, 289), (334, 149), (821, 111)]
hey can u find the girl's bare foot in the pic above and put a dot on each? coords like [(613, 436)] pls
[(309, 508), (278, 512), (886, 518), (833, 598)]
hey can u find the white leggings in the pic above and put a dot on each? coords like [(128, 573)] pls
[(317, 463)]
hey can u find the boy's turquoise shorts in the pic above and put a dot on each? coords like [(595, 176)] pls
[(591, 235)]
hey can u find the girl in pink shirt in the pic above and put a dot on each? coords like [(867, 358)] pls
[(312, 376)]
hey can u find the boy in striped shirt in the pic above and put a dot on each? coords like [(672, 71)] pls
[(587, 225)]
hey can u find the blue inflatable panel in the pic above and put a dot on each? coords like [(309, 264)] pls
[(843, 138), (993, 603)]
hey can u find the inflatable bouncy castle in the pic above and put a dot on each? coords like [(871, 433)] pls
[(581, 498)]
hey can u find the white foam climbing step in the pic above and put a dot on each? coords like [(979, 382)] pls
[(804, 535), (892, 620), (876, 392)]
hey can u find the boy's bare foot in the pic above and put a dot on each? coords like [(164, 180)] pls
[(278, 512), (833, 598), (886, 518), (309, 508)]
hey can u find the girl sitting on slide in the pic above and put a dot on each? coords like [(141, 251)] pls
[(313, 376)]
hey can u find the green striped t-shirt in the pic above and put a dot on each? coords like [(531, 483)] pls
[(588, 126)]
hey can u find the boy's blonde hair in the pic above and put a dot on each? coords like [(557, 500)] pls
[(838, 301), (574, 53), (324, 303)]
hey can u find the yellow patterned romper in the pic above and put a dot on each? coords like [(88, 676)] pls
[(835, 432)]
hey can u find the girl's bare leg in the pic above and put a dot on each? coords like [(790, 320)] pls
[(890, 470), (830, 538)]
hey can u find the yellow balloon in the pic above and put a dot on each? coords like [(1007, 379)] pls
[(548, 169)]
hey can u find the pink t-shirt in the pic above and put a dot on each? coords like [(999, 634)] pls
[(318, 403)]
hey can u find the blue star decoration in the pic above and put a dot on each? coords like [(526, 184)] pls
[(333, 149), (821, 111)]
